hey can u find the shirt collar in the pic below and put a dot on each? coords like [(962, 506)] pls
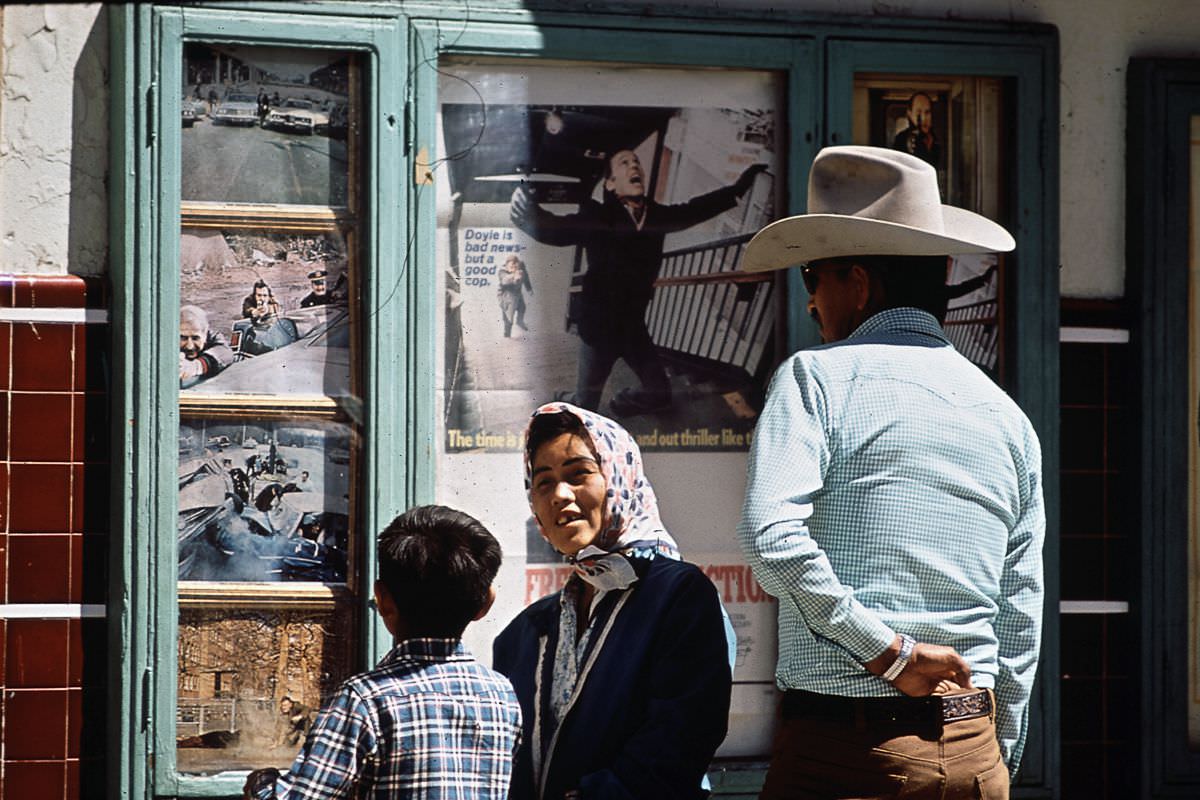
[(901, 320), (427, 650)]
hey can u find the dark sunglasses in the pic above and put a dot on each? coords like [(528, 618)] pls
[(811, 275)]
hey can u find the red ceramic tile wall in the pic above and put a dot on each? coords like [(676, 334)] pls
[(53, 539)]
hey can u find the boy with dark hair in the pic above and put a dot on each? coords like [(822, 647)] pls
[(428, 721)]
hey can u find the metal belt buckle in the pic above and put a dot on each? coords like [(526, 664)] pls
[(966, 706)]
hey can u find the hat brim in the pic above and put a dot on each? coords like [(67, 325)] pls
[(798, 240)]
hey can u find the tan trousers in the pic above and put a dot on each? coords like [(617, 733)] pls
[(820, 759)]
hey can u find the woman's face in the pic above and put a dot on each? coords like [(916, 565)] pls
[(568, 493)]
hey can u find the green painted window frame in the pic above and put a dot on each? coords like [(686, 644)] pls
[(145, 313), (1164, 94), (818, 55)]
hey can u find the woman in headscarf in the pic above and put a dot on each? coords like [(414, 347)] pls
[(623, 676)]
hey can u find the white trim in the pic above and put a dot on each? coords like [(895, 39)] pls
[(1094, 335), (52, 610), (536, 755), (55, 315), (1093, 607)]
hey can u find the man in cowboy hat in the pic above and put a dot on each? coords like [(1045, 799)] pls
[(894, 504)]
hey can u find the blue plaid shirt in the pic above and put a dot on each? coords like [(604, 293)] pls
[(894, 488), (428, 722)]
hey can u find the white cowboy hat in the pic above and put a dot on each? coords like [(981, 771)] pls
[(872, 201)]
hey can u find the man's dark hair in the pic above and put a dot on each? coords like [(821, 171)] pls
[(608, 168), (261, 284), (908, 281), (608, 173), (438, 565), (914, 97), (546, 427)]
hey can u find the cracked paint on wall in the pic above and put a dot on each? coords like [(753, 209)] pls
[(54, 140)]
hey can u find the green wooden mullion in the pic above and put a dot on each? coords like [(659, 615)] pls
[(291, 28), (1035, 383), (422, 257), (162, 281), (128, 596), (805, 121), (716, 49), (1164, 95), (422, 271), (386, 380)]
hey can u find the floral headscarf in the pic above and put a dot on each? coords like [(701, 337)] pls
[(631, 523)]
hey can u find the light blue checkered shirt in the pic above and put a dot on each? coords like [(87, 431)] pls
[(894, 488)]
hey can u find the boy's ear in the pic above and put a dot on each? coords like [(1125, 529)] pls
[(487, 605), (386, 606)]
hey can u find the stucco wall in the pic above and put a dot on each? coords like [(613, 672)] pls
[(54, 140), (54, 102)]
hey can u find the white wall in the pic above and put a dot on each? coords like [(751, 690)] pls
[(54, 101), (54, 139)]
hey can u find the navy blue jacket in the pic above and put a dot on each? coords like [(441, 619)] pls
[(653, 706)]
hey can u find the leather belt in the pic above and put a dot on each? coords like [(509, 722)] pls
[(932, 710)]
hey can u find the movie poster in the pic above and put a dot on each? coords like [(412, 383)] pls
[(590, 231)]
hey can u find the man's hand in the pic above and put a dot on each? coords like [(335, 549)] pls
[(929, 667), (746, 179), (190, 367), (522, 204)]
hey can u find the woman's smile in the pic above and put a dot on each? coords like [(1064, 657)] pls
[(568, 493)]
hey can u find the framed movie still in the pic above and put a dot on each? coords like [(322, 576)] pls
[(266, 314), (269, 126), (252, 675), (266, 501), (590, 225), (958, 125)]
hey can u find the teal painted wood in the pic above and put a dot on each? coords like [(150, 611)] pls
[(806, 80), (647, 17), (1031, 64), (419, 182), (126, 597), (1164, 95), (712, 48), (163, 281), (388, 382), (399, 231)]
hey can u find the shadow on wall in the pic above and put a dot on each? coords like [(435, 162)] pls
[(87, 223), (87, 255)]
